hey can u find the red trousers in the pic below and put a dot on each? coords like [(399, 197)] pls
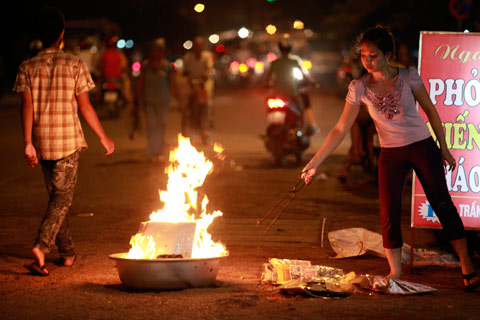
[(394, 165)]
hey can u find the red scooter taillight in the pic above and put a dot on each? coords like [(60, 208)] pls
[(111, 85), (275, 103)]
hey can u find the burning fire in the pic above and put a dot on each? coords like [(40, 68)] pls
[(187, 171)]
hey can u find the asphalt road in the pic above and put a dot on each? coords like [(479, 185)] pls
[(115, 194)]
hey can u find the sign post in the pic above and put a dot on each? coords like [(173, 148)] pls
[(449, 64)]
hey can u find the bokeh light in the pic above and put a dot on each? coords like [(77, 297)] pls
[(214, 38), (243, 32), (179, 64), (307, 64), (129, 44), (188, 44), (243, 68), (308, 33), (199, 7), (271, 29), (121, 44), (271, 56), (298, 24), (136, 67)]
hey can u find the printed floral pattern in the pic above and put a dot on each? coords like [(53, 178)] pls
[(388, 104)]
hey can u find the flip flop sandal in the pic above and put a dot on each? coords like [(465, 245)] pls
[(34, 268), (471, 286)]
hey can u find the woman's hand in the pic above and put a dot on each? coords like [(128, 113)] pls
[(448, 158), (307, 173)]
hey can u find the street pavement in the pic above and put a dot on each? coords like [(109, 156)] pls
[(116, 193)]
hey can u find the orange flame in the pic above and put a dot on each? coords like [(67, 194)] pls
[(187, 171)]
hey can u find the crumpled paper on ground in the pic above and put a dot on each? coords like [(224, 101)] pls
[(354, 242), (425, 257), (301, 277), (391, 286)]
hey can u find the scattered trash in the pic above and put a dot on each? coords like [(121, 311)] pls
[(301, 277), (234, 166), (322, 176), (314, 288), (323, 231), (85, 214), (425, 257), (394, 287), (281, 271), (354, 242)]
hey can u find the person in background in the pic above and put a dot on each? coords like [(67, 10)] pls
[(88, 55), (197, 67), (362, 131), (390, 94), (113, 65), (154, 87), (53, 86), (281, 75)]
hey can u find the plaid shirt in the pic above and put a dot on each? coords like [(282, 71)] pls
[(54, 79)]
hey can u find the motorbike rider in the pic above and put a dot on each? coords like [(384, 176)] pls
[(281, 75), (197, 67), (113, 65)]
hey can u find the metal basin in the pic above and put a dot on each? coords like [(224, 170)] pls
[(166, 273)]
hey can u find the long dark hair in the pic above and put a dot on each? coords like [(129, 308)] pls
[(380, 36)]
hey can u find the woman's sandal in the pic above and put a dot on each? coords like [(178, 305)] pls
[(469, 284)]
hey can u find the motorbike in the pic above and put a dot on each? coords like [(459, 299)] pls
[(112, 100), (285, 134)]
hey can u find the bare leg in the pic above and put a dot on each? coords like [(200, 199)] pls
[(394, 257), (39, 256), (461, 249)]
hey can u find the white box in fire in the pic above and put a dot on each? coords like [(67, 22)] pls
[(171, 238)]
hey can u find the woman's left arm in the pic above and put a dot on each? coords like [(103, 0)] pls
[(427, 106)]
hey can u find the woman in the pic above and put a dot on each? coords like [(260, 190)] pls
[(389, 93)]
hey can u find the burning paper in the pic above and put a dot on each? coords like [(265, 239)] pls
[(180, 227)]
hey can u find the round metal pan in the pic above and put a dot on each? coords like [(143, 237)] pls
[(166, 273)]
